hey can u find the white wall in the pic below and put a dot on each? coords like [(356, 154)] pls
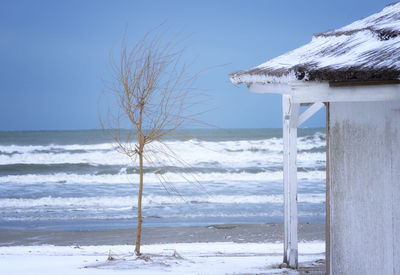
[(364, 148)]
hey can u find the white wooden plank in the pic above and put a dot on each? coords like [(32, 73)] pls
[(305, 92), (364, 202), (309, 112), (293, 246), (294, 115), (271, 88), (321, 92), (286, 131), (290, 117)]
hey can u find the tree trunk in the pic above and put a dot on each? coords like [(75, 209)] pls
[(139, 226)]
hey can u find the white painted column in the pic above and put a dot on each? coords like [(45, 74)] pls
[(290, 122)]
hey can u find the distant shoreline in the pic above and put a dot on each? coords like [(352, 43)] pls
[(238, 233), (180, 130)]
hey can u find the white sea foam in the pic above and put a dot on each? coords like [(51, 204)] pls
[(226, 153), (271, 144), (129, 201), (201, 158), (152, 178), (55, 147), (165, 216)]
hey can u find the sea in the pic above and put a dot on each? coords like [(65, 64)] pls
[(78, 180)]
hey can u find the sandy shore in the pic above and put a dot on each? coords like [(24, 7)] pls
[(238, 233)]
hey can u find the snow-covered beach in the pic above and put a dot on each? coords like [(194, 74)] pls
[(219, 249), (216, 249), (177, 258)]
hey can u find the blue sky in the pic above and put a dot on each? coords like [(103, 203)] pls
[(54, 55)]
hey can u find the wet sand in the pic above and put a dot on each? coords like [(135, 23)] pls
[(240, 233)]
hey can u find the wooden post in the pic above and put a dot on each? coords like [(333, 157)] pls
[(290, 121), (327, 201)]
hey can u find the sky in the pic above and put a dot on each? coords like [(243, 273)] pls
[(55, 55)]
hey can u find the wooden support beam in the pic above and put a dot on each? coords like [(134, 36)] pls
[(309, 112), (328, 197), (304, 92), (290, 121), (273, 88)]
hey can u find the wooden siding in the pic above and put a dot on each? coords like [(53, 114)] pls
[(364, 187)]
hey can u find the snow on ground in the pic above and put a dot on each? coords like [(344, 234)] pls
[(178, 258)]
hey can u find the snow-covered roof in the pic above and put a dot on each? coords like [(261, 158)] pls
[(365, 50)]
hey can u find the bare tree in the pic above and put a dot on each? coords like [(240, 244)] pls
[(153, 90)]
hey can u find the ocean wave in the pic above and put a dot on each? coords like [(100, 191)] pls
[(85, 168), (61, 178), (133, 216), (54, 148), (228, 153), (130, 201), (201, 158), (171, 217), (155, 178)]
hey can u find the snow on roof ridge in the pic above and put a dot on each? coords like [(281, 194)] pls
[(388, 18), (392, 4), (367, 49)]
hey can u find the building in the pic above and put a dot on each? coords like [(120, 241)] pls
[(355, 72)]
